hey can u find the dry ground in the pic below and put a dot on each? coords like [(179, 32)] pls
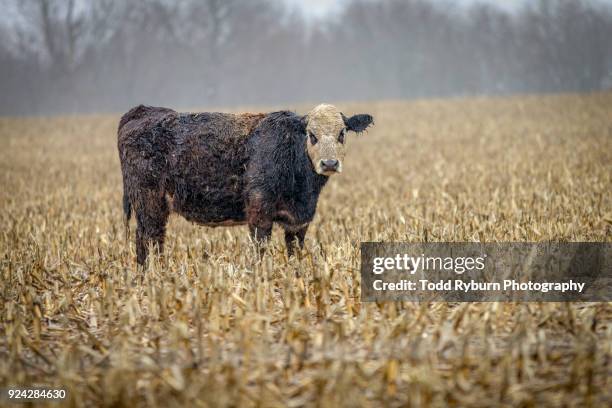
[(210, 325)]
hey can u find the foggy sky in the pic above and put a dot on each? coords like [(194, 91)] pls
[(109, 55)]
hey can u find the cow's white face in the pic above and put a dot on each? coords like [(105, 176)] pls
[(326, 129)]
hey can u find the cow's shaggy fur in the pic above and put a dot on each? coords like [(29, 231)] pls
[(219, 169)]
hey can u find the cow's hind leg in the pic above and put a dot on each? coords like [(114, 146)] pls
[(259, 220), (152, 213)]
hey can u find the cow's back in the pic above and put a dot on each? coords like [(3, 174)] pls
[(208, 164), (196, 160)]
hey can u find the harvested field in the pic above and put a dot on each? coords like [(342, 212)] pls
[(212, 325)]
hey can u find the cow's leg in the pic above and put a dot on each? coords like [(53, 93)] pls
[(152, 216), (259, 220), (291, 235), (261, 231)]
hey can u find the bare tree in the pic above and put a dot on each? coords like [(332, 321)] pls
[(100, 55), (64, 30)]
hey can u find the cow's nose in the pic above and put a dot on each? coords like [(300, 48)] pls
[(330, 164)]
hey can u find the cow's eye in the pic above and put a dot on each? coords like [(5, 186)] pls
[(313, 138), (341, 136)]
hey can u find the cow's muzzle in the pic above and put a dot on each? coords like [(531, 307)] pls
[(330, 166)]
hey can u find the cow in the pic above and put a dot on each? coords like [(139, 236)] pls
[(224, 169)]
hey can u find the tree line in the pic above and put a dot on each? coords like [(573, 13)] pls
[(62, 56)]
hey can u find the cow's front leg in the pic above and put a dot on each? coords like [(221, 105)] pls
[(293, 235), (261, 230)]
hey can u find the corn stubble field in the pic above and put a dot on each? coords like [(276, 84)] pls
[(211, 324)]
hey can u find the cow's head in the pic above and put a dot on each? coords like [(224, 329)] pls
[(326, 129)]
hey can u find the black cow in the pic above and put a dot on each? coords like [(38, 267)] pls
[(221, 169)]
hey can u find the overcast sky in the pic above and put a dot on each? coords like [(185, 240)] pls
[(321, 8), (314, 9)]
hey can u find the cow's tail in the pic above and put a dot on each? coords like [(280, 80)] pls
[(136, 112), (127, 212)]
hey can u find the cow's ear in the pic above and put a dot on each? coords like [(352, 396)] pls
[(358, 123)]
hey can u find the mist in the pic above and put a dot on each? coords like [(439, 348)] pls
[(71, 56)]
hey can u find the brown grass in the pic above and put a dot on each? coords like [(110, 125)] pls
[(210, 325)]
